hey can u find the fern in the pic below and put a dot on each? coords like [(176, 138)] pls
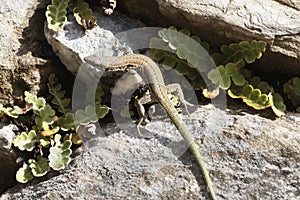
[(57, 11), (56, 14), (235, 52), (39, 167), (292, 89), (26, 141), (225, 76), (91, 114), (24, 174), (60, 153), (58, 94), (52, 121), (7, 111), (184, 52), (83, 14)]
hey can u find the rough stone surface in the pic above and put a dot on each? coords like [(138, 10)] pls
[(219, 22), (72, 44), (248, 156), (8, 165), (291, 3), (24, 51), (7, 135)]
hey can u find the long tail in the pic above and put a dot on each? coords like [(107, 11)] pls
[(172, 112)]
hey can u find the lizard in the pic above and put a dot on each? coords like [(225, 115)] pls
[(151, 74)]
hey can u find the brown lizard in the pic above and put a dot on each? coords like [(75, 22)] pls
[(152, 76)]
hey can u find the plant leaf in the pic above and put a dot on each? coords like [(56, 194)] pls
[(24, 174), (40, 167), (25, 141), (59, 155)]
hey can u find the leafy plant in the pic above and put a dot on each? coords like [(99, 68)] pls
[(56, 14), (52, 129), (83, 14), (174, 50), (60, 153), (90, 114), (57, 11), (292, 89), (235, 52), (39, 167), (25, 141), (7, 111), (231, 73), (41, 136), (185, 53), (24, 174), (36, 168), (59, 99)]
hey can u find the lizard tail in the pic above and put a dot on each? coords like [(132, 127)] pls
[(204, 171), (171, 111)]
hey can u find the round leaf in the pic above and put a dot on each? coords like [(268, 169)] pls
[(238, 79), (24, 174)]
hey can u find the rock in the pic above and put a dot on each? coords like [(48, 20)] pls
[(73, 43), (24, 53), (248, 156), (7, 135), (291, 3), (224, 22), (8, 164)]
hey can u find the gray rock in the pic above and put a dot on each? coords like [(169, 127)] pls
[(73, 43), (24, 52), (7, 134), (219, 22), (291, 3), (8, 164), (248, 156)]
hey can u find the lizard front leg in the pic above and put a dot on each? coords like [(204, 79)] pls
[(148, 98)]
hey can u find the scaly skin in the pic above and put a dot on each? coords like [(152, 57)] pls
[(151, 74)]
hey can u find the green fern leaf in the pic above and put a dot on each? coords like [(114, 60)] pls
[(83, 14), (59, 155), (56, 14), (40, 167), (24, 174), (25, 141), (59, 99), (277, 104), (238, 79), (66, 122), (37, 103), (90, 114), (236, 52)]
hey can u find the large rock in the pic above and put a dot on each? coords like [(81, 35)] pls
[(24, 52), (219, 22), (72, 44), (8, 164), (249, 157)]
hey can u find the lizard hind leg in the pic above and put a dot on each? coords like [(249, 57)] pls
[(145, 116), (175, 88)]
